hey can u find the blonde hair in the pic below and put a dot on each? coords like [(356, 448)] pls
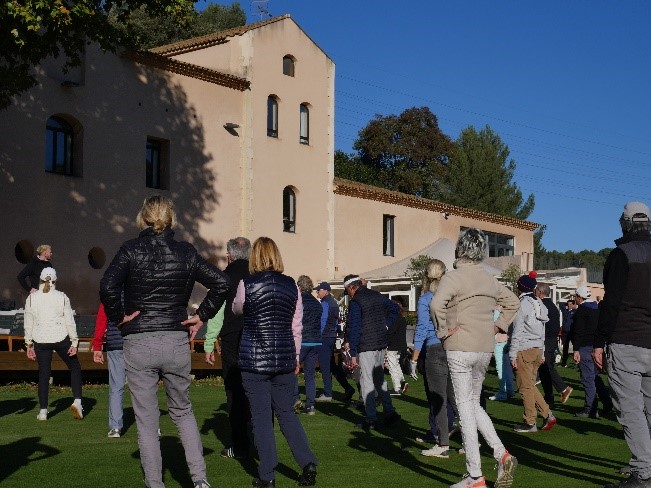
[(42, 248), (265, 256), (158, 213), (48, 284), (434, 271)]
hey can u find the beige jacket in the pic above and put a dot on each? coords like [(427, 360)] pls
[(48, 318), (466, 297)]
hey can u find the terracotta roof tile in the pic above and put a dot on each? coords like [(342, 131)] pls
[(212, 39), (187, 69), (368, 192)]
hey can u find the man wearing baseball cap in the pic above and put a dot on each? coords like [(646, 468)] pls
[(625, 327)]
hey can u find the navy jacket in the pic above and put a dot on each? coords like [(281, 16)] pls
[(312, 312), (586, 319), (369, 315), (267, 344)]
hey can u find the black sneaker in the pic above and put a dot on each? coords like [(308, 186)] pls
[(348, 396), (258, 483), (308, 476), (634, 481), (366, 425), (584, 414), (391, 419), (525, 428), (307, 410)]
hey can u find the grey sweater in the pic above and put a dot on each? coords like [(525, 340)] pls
[(528, 326)]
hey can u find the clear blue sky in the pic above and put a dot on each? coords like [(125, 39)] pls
[(565, 84)]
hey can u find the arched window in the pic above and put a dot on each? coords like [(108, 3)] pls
[(289, 209), (59, 140), (288, 65), (304, 124), (272, 116)]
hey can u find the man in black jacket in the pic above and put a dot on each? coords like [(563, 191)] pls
[(230, 334), (625, 326), (29, 277), (548, 375)]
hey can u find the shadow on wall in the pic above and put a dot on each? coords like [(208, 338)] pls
[(122, 106)]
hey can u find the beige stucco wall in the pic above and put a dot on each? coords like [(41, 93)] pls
[(359, 233), (223, 184)]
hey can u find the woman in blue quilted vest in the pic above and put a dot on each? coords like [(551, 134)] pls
[(271, 305)]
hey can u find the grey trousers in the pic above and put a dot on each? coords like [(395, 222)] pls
[(371, 367), (467, 370), (147, 357), (117, 375), (629, 372)]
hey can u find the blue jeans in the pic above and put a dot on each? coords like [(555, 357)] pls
[(117, 376), (592, 383), (629, 372), (147, 357), (308, 356), (467, 370), (504, 371), (270, 394)]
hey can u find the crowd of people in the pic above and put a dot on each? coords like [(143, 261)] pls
[(264, 326)]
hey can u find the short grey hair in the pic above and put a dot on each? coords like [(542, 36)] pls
[(305, 284), (543, 288), (630, 226), (239, 248), (472, 245)]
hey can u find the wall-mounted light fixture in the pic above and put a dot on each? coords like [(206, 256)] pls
[(446, 215), (231, 126)]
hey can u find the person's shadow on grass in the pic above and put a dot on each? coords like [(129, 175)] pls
[(17, 406), (19, 454), (63, 404)]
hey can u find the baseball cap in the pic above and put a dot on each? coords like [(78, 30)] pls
[(48, 273), (636, 212), (324, 285), (583, 292)]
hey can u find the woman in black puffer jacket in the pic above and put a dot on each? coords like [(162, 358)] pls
[(271, 340), (157, 275)]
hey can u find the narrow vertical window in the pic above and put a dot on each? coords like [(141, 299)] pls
[(153, 159), (387, 234), (288, 65), (272, 116), (289, 210), (59, 139), (304, 124)]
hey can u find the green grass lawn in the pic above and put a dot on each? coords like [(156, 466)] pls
[(64, 452)]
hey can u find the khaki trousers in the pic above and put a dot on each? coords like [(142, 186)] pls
[(528, 363)]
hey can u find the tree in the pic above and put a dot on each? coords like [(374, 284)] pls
[(349, 166), (510, 277), (409, 152), (35, 30), (416, 269), (480, 176), (144, 29)]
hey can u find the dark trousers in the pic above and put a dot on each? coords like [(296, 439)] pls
[(237, 404), (44, 357), (328, 366), (269, 394), (308, 357), (567, 338), (439, 389), (594, 386), (549, 377)]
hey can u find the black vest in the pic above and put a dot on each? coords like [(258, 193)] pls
[(312, 312), (332, 322)]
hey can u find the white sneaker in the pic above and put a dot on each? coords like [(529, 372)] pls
[(437, 451), (468, 482), (41, 416), (323, 398), (77, 411), (114, 433)]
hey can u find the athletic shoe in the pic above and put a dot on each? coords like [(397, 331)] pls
[(308, 410), (114, 433), (404, 386), (565, 394), (626, 470), (229, 452), (160, 434), (584, 414), (437, 451), (428, 437), (258, 483), (324, 398), (201, 484), (308, 476), (525, 428), (505, 469), (634, 481), (41, 416), (298, 405), (498, 398), (366, 425), (395, 393), (391, 419), (77, 411), (468, 482), (550, 422)]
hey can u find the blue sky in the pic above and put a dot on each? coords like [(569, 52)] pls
[(565, 84)]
